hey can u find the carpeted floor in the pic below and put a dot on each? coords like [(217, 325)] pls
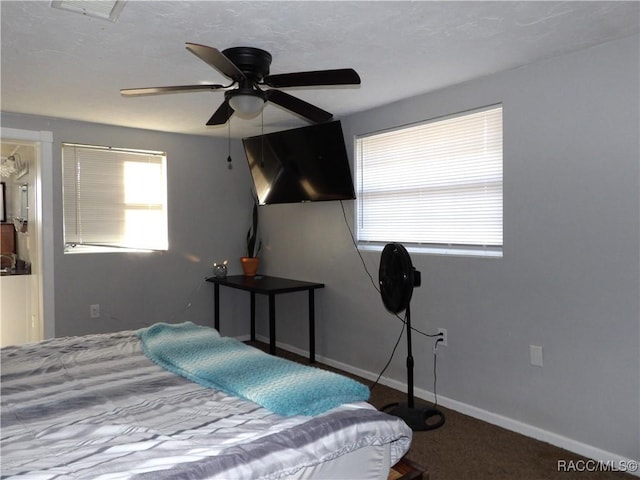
[(469, 449)]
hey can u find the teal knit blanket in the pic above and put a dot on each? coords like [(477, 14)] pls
[(282, 386)]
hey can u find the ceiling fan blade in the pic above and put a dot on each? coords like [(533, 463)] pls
[(342, 76), (221, 115), (174, 89), (298, 106), (217, 60)]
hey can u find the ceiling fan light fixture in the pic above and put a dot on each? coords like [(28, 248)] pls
[(246, 104)]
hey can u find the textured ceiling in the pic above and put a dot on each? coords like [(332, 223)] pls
[(63, 64)]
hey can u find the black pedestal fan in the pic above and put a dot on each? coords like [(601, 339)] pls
[(397, 278)]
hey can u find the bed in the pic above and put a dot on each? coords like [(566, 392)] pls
[(99, 407)]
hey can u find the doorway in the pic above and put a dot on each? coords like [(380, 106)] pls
[(26, 285)]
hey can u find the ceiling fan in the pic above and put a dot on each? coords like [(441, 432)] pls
[(248, 68)]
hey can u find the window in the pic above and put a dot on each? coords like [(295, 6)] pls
[(114, 199), (434, 186)]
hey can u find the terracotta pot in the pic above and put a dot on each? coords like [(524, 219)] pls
[(250, 266)]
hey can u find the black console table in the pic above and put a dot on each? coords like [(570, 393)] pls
[(270, 286)]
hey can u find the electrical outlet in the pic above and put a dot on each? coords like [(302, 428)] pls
[(535, 355), (94, 310), (443, 331)]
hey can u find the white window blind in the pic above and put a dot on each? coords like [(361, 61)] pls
[(437, 183), (114, 198)]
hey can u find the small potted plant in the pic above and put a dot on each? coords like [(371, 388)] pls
[(254, 245)]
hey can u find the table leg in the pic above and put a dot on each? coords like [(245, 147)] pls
[(272, 324), (253, 316), (216, 306), (312, 327)]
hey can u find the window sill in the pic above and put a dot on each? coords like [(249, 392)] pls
[(81, 249), (446, 250)]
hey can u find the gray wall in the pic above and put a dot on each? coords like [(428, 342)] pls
[(209, 211), (569, 279)]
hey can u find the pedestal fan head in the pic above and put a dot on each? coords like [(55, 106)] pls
[(397, 277)]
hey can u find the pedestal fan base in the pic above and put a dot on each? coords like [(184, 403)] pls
[(417, 418)]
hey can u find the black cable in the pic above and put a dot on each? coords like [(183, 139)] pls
[(403, 320), (435, 371), (355, 245), (393, 352), (430, 335), (188, 304), (435, 379), (366, 269)]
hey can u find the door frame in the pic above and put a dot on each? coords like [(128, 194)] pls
[(44, 327)]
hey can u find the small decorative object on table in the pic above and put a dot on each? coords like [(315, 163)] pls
[(220, 269)]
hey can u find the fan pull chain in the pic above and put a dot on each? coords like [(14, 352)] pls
[(262, 139), (229, 164)]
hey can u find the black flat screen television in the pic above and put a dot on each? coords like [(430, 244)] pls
[(307, 164)]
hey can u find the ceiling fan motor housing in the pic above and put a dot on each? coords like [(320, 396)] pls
[(254, 62)]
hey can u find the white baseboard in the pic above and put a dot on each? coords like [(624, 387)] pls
[(609, 459)]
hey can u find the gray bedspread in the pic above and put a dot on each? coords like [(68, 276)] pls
[(96, 407)]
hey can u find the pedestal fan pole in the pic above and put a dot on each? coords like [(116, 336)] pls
[(409, 359)]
